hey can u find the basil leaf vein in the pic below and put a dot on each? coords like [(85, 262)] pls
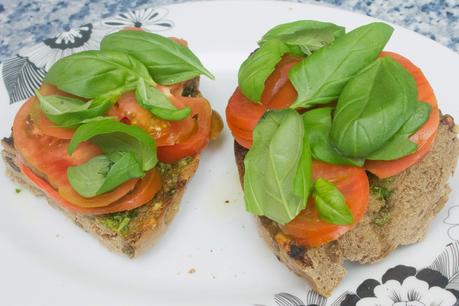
[(317, 126), (103, 173), (167, 61), (70, 112), (400, 145), (320, 78), (286, 29), (258, 67), (112, 136), (373, 107), (271, 167), (158, 103), (330, 203), (94, 73)]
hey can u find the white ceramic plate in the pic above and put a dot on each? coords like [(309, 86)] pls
[(47, 260)]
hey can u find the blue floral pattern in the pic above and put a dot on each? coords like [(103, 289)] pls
[(23, 73)]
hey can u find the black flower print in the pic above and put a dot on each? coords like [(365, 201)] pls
[(24, 73), (436, 285), (46, 53), (150, 19)]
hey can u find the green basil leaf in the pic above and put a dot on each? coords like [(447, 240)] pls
[(103, 173), (112, 136), (320, 78), (258, 67), (330, 203), (302, 183), (90, 74), (70, 112), (158, 103), (167, 61), (317, 126), (282, 30), (417, 119), (400, 145), (373, 107), (271, 167), (309, 41)]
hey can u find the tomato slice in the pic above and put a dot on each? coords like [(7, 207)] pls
[(48, 157), (424, 137), (307, 228), (202, 113), (279, 92), (68, 193), (166, 133), (46, 126), (242, 115), (143, 192)]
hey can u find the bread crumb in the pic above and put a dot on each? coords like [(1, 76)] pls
[(191, 271)]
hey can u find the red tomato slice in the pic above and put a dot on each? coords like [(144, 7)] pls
[(69, 194), (424, 137), (166, 133), (45, 125), (48, 157), (142, 193), (307, 228), (201, 110), (242, 115), (279, 92)]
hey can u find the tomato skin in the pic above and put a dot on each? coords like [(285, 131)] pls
[(279, 92), (307, 228), (69, 194), (242, 115), (201, 109), (424, 137), (47, 155), (46, 126), (142, 193), (165, 133)]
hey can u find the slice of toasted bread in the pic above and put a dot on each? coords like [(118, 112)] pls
[(130, 232), (400, 216)]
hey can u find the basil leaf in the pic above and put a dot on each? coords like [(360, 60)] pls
[(103, 173), (158, 103), (417, 119), (271, 167), (70, 112), (309, 41), (373, 107), (317, 126), (283, 30), (167, 61), (112, 136), (258, 67), (330, 203), (302, 183), (400, 145), (320, 78), (90, 74)]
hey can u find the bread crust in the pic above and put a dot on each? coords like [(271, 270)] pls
[(144, 229), (417, 195), (150, 220)]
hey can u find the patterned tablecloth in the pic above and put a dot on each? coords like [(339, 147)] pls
[(25, 22)]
